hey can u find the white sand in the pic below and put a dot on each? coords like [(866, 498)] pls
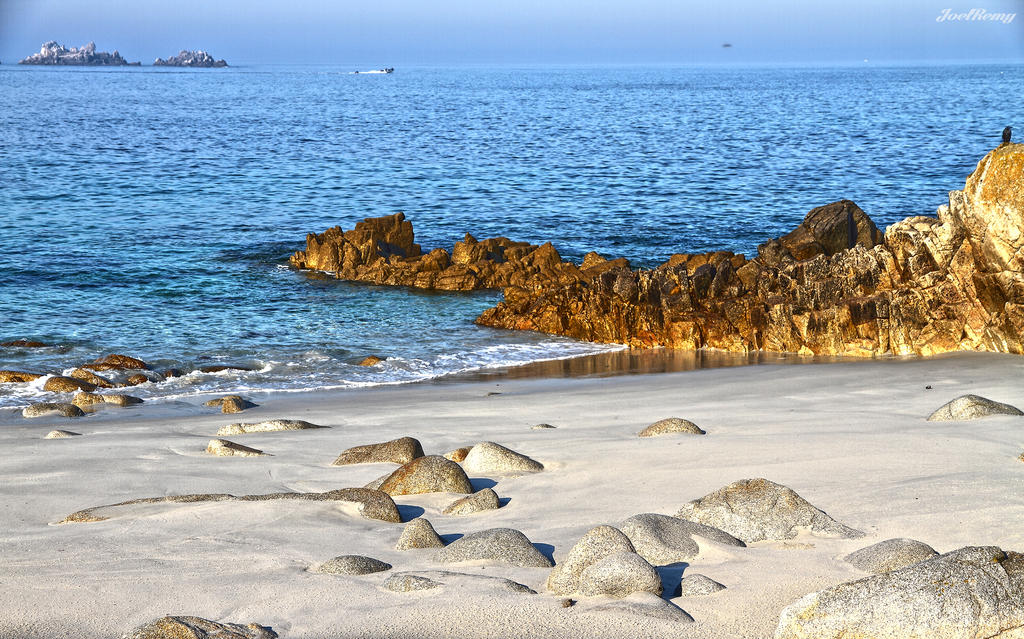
[(850, 438)]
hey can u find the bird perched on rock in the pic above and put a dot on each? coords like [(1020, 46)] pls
[(1007, 132)]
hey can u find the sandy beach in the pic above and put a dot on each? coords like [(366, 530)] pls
[(851, 438)]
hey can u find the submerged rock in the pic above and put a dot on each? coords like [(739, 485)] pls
[(17, 377), (969, 593), (224, 448), (195, 59), (398, 451), (485, 499), (419, 533), (889, 555), (52, 53), (61, 384), (757, 509), (269, 426), (198, 628), (91, 377), (117, 362), (503, 545), (598, 543), (663, 540), (488, 457), (43, 409), (671, 425), (834, 286), (24, 343), (430, 474), (352, 565), (220, 368), (620, 575), (967, 407), (370, 360)]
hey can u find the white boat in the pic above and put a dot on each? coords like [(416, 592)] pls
[(387, 70)]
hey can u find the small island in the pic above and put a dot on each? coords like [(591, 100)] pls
[(200, 59), (52, 53)]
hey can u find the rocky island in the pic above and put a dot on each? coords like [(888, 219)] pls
[(52, 53), (196, 59), (836, 285)]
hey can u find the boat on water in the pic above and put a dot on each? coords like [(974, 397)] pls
[(385, 70)]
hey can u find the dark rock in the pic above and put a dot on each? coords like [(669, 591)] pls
[(61, 384), (24, 343), (43, 409), (230, 403), (17, 377), (221, 368), (195, 59), (115, 362)]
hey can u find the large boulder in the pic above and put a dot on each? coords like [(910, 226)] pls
[(967, 407), (599, 542), (501, 545), (663, 540), (430, 474), (620, 575), (970, 593), (757, 509), (889, 555), (198, 628), (396, 451), (488, 457)]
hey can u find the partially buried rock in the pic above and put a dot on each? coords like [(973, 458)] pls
[(43, 409), (419, 533), (230, 404), (459, 454), (17, 377), (644, 605), (269, 426), (542, 427), (488, 457), (198, 628), (352, 565), (891, 554), (24, 343), (967, 407), (117, 362), (671, 425), (698, 585), (619, 575), (757, 509), (397, 451), (85, 400), (371, 360), (430, 474), (969, 593), (663, 540), (598, 543), (60, 434), (471, 583), (485, 499), (408, 582), (224, 448), (61, 384), (88, 376), (503, 545)]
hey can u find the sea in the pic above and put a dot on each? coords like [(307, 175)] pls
[(152, 211)]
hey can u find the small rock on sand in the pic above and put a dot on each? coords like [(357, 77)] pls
[(42, 409), (671, 425), (598, 543), (663, 540), (698, 585), (459, 454), (351, 565), (757, 509), (198, 628), (488, 457), (891, 554), (61, 384), (967, 407), (644, 605), (408, 582), (230, 404), (542, 427), (269, 426), (430, 474), (503, 545), (60, 434), (397, 451), (485, 499), (224, 448), (619, 575), (419, 533), (472, 583)]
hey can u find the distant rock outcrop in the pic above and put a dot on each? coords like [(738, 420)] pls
[(199, 59), (52, 53)]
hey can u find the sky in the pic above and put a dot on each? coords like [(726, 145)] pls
[(454, 32)]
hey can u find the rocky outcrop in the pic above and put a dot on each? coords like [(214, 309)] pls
[(757, 509), (834, 286), (382, 250), (198, 628), (969, 593), (198, 59), (52, 53)]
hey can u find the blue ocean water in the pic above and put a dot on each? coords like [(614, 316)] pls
[(151, 211)]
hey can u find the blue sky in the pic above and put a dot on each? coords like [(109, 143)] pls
[(410, 32)]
